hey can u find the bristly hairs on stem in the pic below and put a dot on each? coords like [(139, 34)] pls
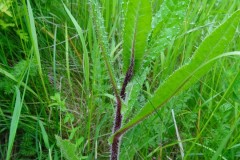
[(118, 115), (99, 27)]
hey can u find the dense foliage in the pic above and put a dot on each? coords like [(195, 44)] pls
[(63, 63)]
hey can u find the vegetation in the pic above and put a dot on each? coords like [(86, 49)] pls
[(119, 79)]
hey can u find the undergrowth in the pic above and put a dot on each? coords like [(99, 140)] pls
[(62, 64)]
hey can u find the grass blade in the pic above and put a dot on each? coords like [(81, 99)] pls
[(14, 122), (44, 134), (34, 40), (84, 47), (67, 60), (178, 135), (226, 94), (224, 142)]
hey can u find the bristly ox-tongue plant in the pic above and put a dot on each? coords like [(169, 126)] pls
[(137, 25), (144, 36), (138, 29)]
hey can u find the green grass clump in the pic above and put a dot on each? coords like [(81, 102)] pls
[(63, 64)]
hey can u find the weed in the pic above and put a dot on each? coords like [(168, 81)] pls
[(154, 79)]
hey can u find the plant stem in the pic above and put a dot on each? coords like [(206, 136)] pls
[(118, 116), (117, 125)]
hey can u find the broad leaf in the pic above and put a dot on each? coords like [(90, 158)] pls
[(166, 25), (67, 148), (138, 20), (183, 78)]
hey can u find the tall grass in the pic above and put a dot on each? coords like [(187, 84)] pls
[(60, 63)]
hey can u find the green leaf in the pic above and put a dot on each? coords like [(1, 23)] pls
[(44, 134), (6, 25), (14, 122), (136, 29), (22, 35), (166, 25), (67, 148), (224, 142), (183, 78), (133, 90), (5, 8), (102, 38), (34, 40), (10, 76), (84, 46)]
